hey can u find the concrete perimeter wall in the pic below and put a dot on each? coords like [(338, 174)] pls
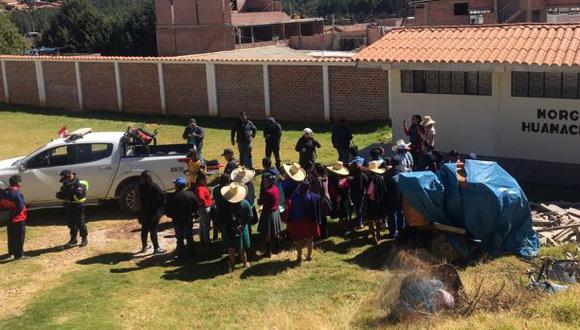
[(309, 92)]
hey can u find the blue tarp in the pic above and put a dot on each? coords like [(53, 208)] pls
[(490, 205)]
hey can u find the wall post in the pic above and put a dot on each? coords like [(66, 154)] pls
[(212, 101), (326, 91), (119, 87), (267, 104), (79, 85), (40, 83), (5, 81), (162, 88)]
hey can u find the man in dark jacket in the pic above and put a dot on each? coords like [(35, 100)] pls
[(12, 201), (74, 194), (273, 134), (194, 136), (341, 139), (180, 208), (152, 200), (244, 132)]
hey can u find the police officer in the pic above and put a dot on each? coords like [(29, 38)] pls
[(74, 193)]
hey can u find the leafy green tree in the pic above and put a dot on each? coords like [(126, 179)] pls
[(136, 35), (78, 27), (11, 42)]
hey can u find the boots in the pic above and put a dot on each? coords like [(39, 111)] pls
[(268, 250), (84, 242)]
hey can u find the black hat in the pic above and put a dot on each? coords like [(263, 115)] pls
[(192, 121), (227, 151), (64, 174)]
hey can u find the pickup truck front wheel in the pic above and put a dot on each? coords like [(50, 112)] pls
[(128, 198)]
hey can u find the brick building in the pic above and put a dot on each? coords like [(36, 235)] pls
[(465, 12), (200, 26)]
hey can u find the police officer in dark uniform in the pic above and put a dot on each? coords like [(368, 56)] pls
[(74, 193)]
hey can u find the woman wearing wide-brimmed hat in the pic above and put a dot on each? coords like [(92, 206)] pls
[(403, 156), (375, 201), (429, 136), (306, 147), (245, 176), (236, 215), (270, 225), (339, 191)]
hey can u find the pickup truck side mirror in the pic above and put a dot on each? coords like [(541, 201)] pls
[(22, 167)]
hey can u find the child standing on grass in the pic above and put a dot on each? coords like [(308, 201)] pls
[(204, 196)]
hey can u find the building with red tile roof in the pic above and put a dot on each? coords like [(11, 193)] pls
[(525, 44), (506, 92)]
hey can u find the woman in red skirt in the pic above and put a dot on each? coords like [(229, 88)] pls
[(305, 214)]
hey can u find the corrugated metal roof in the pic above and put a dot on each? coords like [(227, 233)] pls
[(520, 44)]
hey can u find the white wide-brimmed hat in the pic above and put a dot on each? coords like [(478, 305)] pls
[(338, 168), (401, 145), (427, 121), (235, 192), (295, 172), (242, 175), (375, 167)]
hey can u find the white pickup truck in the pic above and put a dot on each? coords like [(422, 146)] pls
[(110, 164)]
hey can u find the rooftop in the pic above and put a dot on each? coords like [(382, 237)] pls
[(266, 18), (520, 44), (272, 54)]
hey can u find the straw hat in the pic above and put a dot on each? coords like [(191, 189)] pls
[(295, 171), (401, 145), (338, 168), (374, 167), (235, 192), (242, 175), (427, 121)]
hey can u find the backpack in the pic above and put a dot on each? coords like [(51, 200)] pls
[(5, 214)]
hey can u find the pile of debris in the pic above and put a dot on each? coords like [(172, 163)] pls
[(557, 223)]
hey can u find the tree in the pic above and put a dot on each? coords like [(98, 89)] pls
[(78, 27), (11, 42), (136, 35)]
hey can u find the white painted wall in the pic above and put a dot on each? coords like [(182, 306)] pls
[(547, 147), (488, 125), (467, 123)]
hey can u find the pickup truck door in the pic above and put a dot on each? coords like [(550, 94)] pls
[(40, 178), (95, 163), (90, 161)]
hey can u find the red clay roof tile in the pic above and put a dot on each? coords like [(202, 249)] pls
[(537, 44)]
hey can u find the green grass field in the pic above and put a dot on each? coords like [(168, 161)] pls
[(344, 287)]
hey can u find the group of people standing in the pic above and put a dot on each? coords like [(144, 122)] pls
[(296, 200)]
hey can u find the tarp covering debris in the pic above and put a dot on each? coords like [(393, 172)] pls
[(490, 205)]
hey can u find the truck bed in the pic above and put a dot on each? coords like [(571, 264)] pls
[(158, 150)]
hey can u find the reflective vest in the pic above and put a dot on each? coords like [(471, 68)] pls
[(85, 185)]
